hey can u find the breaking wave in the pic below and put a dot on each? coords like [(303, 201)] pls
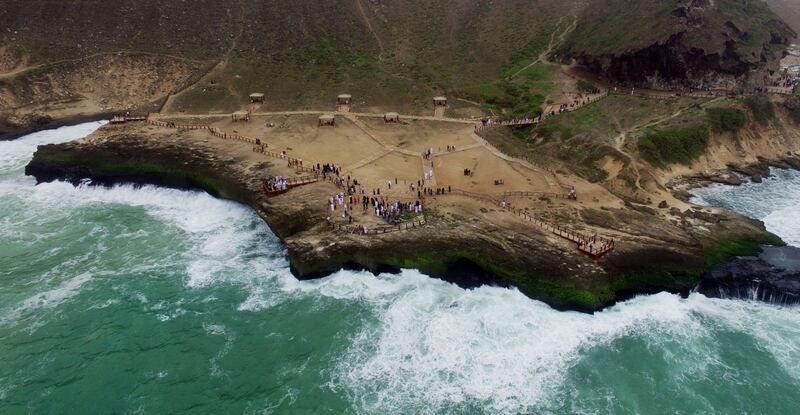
[(775, 201), (419, 346)]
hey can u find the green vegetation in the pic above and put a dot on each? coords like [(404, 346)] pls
[(208, 99), (586, 86), (566, 295), (682, 145), (726, 119), (793, 106), (550, 131), (795, 114), (523, 94), (574, 137), (609, 27), (613, 26), (529, 53), (761, 107), (583, 156)]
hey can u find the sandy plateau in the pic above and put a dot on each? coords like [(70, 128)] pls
[(467, 236)]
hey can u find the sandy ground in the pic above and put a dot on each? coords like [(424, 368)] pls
[(486, 168), (376, 154), (417, 136)]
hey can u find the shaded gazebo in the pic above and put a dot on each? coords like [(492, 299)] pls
[(392, 117), (440, 101), (344, 99), (240, 116), (327, 120), (256, 97)]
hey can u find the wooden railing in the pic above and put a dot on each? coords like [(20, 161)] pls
[(121, 119), (553, 195), (378, 230), (258, 146), (299, 181), (594, 245), (510, 122), (290, 183)]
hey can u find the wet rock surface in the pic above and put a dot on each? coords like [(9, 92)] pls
[(773, 276)]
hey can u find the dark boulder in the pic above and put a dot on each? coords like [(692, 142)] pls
[(773, 276)]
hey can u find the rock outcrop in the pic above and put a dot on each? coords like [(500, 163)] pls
[(462, 245), (773, 276), (699, 44)]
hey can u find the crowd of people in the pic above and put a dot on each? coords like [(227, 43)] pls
[(788, 82), (391, 212), (597, 245), (276, 184), (327, 170)]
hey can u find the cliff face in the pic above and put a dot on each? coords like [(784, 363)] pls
[(773, 276), (76, 91), (676, 43)]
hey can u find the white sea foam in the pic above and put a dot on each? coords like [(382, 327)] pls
[(15, 154), (776, 201), (438, 348), (220, 232), (47, 299)]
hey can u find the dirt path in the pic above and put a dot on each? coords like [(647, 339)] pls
[(619, 144), (551, 45), (621, 140), (221, 64), (672, 116), (428, 165), (366, 20), (23, 69), (494, 150), (319, 112)]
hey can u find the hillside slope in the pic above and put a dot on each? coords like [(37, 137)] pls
[(388, 54), (789, 11), (667, 42)]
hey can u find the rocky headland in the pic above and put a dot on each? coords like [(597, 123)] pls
[(466, 241)]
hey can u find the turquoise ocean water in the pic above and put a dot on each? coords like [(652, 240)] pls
[(153, 301)]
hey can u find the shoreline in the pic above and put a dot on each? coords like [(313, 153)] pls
[(467, 255), (682, 186), (57, 123)]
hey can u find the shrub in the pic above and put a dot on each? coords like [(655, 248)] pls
[(762, 108), (726, 119), (585, 86), (793, 105), (683, 145)]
